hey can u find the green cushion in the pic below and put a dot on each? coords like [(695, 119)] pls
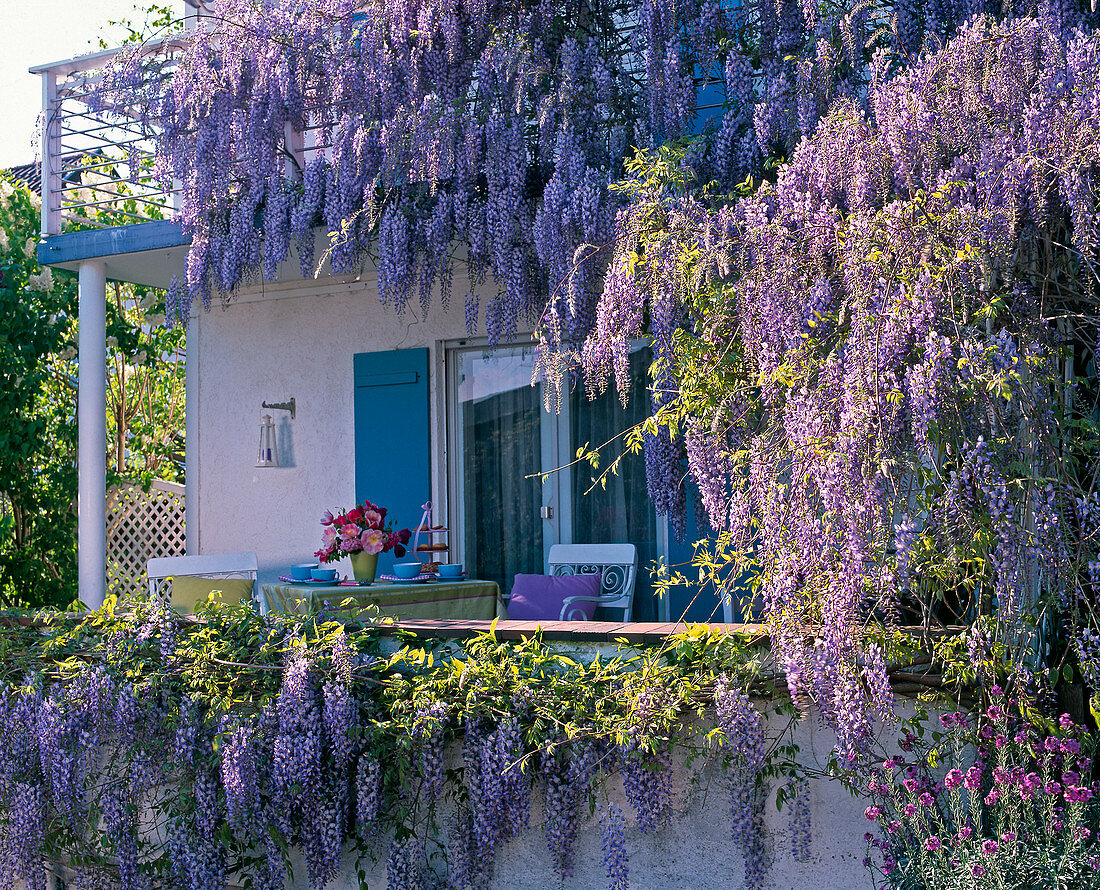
[(188, 591)]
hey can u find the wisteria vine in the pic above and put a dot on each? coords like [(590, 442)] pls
[(491, 135), (845, 356), (490, 130), (883, 365), (130, 764)]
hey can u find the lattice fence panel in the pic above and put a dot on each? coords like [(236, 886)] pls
[(141, 525)]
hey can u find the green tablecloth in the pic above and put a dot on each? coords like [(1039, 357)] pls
[(457, 600)]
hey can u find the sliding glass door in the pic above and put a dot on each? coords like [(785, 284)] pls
[(499, 436), (613, 507), (515, 489)]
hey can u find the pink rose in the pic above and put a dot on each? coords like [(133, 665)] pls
[(373, 541), (372, 518), (328, 536), (350, 531)]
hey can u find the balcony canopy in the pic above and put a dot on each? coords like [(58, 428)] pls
[(147, 253)]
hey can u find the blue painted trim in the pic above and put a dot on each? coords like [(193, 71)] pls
[(95, 243)]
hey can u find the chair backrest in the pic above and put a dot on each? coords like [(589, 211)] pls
[(617, 564), (206, 565)]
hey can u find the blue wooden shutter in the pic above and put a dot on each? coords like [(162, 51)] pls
[(392, 435), (688, 603)]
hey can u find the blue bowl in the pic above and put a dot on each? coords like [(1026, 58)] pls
[(407, 569), (303, 571), (451, 570), (323, 574)]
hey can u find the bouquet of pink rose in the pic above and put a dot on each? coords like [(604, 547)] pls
[(360, 529)]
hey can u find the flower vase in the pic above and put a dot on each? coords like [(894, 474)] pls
[(363, 566)]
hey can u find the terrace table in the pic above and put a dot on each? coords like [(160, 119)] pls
[(470, 600)]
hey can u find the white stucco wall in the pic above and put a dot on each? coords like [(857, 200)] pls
[(693, 851), (291, 340)]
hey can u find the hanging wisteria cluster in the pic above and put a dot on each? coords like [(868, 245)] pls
[(882, 366), (489, 135), (204, 762), (486, 130), (420, 129)]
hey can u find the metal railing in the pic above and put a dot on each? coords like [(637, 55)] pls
[(97, 163)]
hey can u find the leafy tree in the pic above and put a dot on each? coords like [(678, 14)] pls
[(37, 423), (145, 387), (145, 405)]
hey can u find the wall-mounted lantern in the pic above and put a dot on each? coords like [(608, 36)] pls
[(266, 453)]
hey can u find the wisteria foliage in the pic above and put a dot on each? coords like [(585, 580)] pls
[(844, 357), (881, 365), (489, 136), (205, 761), (486, 131)]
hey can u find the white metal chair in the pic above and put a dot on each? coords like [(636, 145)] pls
[(617, 565), (207, 565)]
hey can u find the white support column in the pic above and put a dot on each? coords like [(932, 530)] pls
[(92, 435), (191, 433)]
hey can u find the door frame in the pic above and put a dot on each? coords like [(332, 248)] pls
[(556, 458), (454, 480)]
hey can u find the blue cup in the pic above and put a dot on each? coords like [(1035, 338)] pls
[(407, 569), (323, 574), (451, 570), (303, 571)]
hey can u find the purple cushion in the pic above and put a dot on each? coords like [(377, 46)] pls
[(540, 597)]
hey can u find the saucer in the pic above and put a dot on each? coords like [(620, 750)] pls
[(311, 582)]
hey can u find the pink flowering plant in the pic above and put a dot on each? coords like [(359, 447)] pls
[(997, 798), (362, 529)]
